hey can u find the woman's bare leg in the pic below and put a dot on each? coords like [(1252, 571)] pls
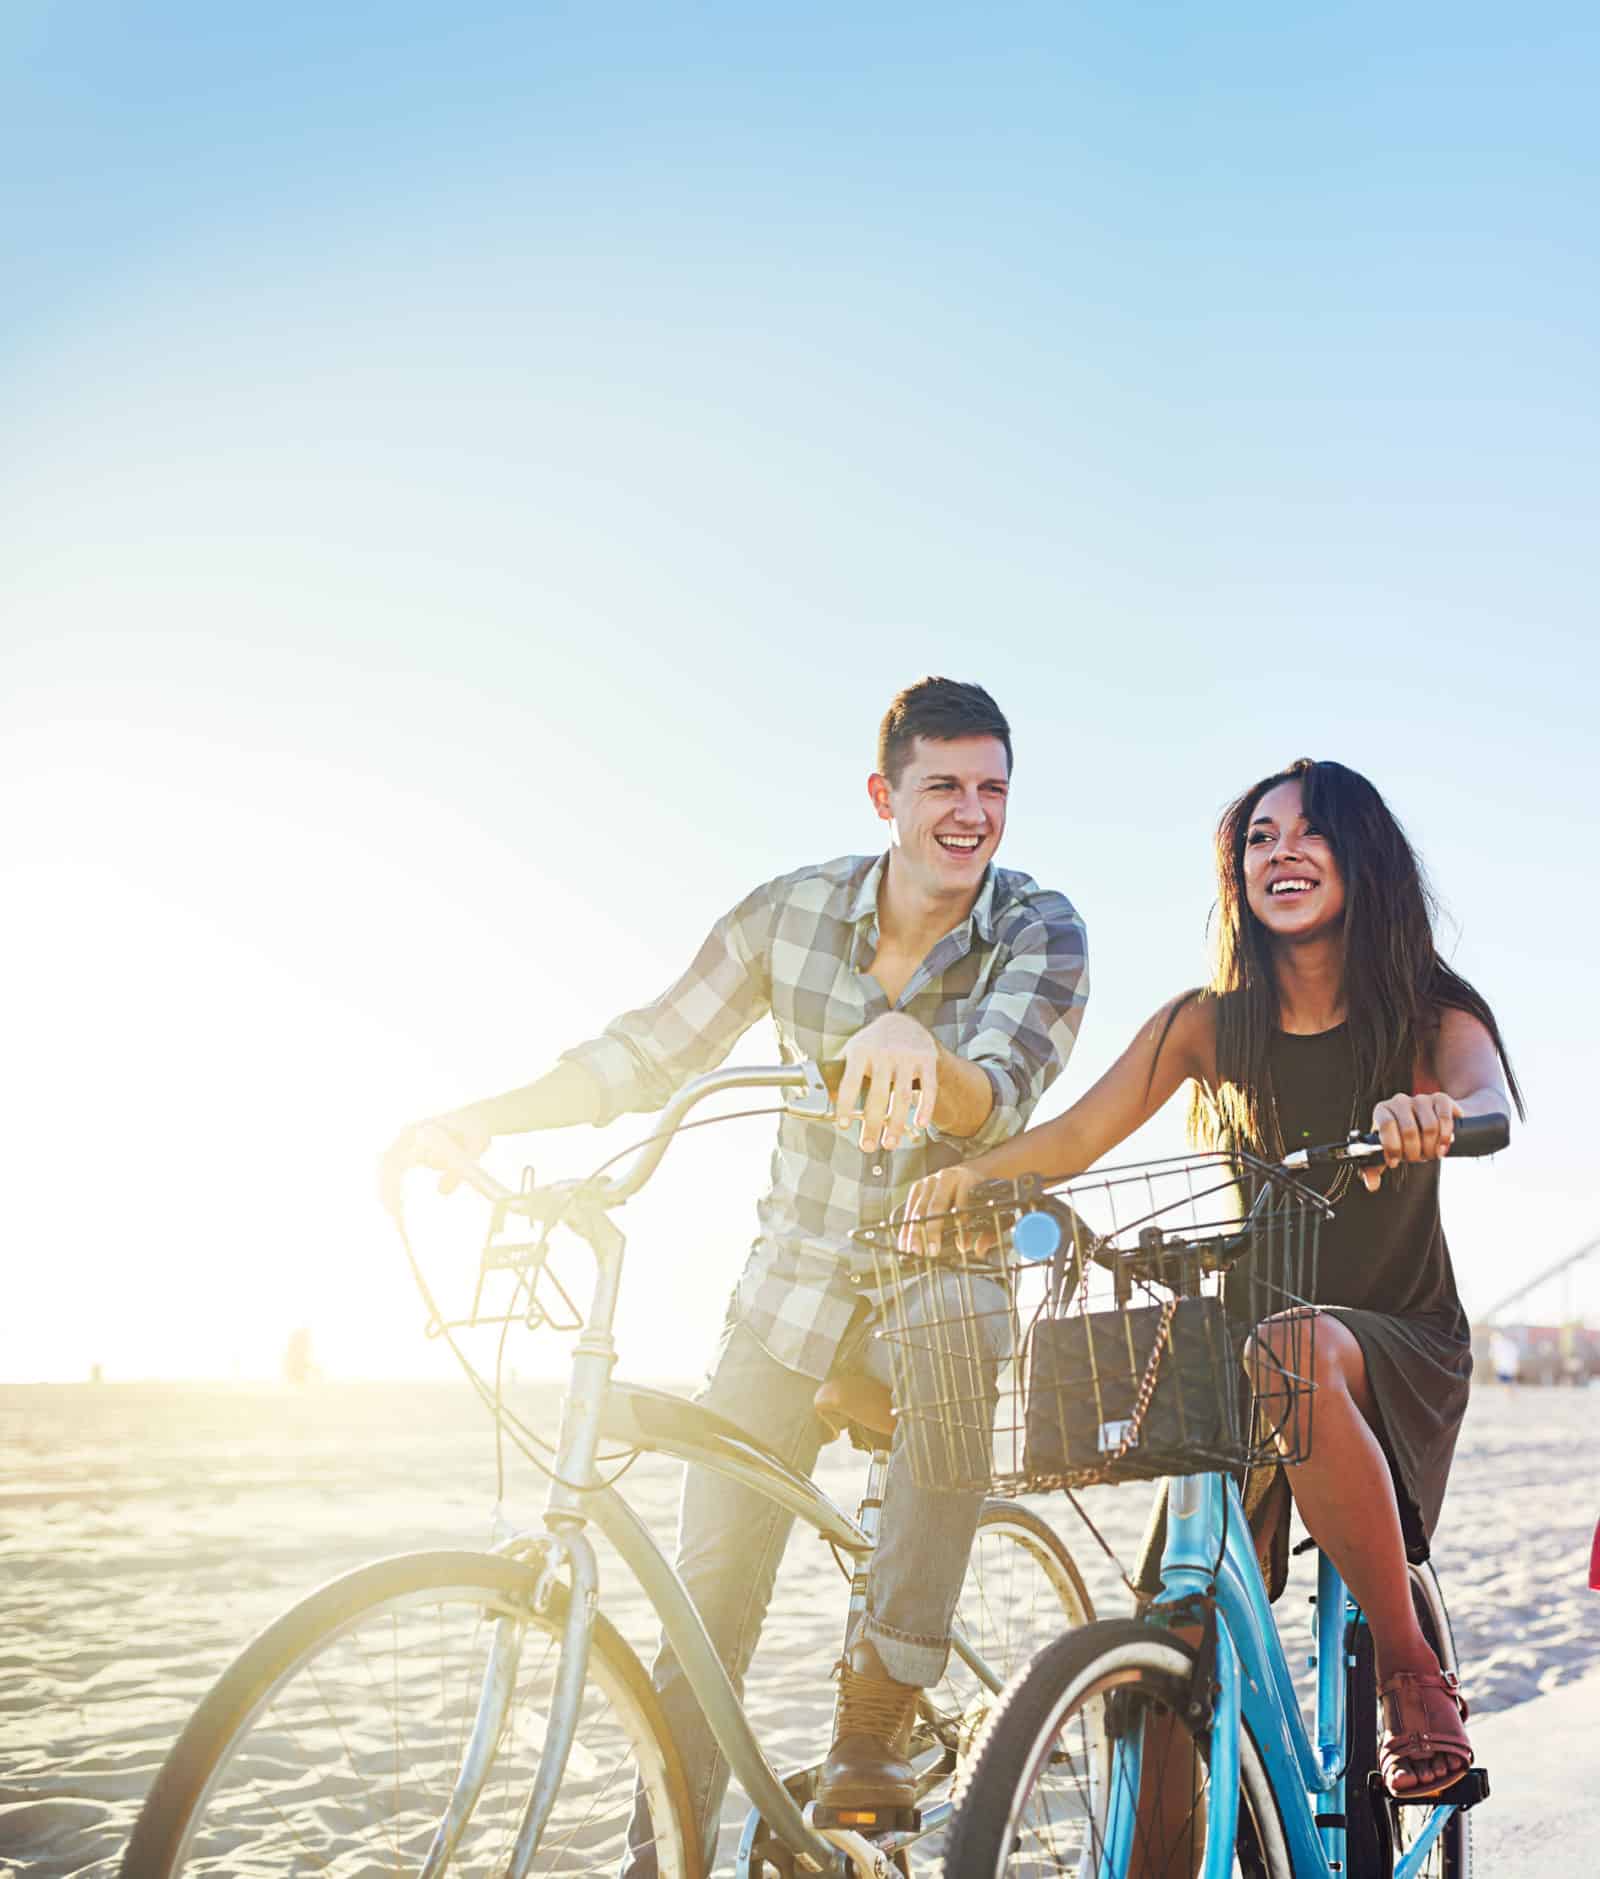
[(1346, 1497)]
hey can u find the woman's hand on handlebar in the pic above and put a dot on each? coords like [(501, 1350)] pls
[(1420, 1127), (935, 1194)]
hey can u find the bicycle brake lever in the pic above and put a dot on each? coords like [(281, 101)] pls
[(814, 1100)]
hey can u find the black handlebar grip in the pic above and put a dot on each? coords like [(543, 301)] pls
[(1474, 1135), (1480, 1135), (1004, 1193)]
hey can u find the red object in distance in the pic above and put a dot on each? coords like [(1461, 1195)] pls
[(1594, 1561)]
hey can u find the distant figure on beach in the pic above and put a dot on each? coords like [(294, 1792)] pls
[(1330, 1010), (299, 1367), (1505, 1357), (954, 990)]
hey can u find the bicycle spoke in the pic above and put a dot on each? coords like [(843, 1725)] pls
[(348, 1763)]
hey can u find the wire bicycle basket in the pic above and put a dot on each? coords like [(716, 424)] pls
[(1095, 1330)]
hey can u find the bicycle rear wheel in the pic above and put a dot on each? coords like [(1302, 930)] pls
[(1381, 1834), (333, 1743), (1037, 1795), (1021, 1592)]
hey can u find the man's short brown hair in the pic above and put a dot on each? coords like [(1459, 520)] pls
[(941, 709)]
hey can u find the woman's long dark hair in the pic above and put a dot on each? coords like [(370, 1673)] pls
[(1395, 983)]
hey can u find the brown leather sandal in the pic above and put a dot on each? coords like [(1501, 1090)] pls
[(1425, 1711)]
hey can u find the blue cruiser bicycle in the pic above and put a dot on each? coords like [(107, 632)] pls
[(1174, 1743)]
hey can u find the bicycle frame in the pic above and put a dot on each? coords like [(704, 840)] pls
[(1209, 1544), (595, 1409)]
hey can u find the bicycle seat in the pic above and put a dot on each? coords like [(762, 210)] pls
[(860, 1400)]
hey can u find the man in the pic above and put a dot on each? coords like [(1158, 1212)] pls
[(952, 991)]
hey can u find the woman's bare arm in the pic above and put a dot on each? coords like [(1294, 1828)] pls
[(1139, 1083), (1177, 1044), (1467, 1066), (1420, 1125)]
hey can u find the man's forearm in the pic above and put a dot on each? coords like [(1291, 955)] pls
[(563, 1097), (966, 1096)]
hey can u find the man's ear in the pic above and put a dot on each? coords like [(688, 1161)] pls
[(878, 792)]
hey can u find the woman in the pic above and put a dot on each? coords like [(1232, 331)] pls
[(1329, 993)]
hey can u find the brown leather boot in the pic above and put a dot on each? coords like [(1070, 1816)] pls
[(869, 1765)]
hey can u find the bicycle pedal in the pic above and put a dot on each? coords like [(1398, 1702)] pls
[(867, 1820), (1464, 1792)]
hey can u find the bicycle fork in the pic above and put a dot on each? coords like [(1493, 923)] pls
[(494, 1704), (1222, 1803)]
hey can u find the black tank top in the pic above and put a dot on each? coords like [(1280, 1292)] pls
[(1380, 1252)]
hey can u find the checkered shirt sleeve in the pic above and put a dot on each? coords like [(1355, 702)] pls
[(645, 1056), (1023, 1032)]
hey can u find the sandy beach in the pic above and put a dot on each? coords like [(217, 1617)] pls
[(149, 1530)]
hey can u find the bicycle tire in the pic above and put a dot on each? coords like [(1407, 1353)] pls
[(280, 1760), (1036, 1534), (1377, 1841), (1067, 1697)]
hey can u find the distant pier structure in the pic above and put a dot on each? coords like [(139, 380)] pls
[(1516, 1351)]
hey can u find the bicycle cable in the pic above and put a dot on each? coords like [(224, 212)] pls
[(496, 1405), (493, 1399), (1104, 1545)]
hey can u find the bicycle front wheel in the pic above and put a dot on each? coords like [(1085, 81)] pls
[(333, 1744), (1040, 1791)]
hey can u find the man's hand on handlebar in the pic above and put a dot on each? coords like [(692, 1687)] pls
[(901, 1059), (560, 1099), (442, 1143)]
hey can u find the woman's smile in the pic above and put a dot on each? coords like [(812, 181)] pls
[(1291, 879)]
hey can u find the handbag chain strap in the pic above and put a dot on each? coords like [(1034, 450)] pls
[(1147, 1385)]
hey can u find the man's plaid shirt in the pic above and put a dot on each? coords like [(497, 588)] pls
[(1006, 989)]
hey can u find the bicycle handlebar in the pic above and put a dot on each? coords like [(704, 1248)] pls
[(1474, 1135), (805, 1078), (805, 1094), (1023, 1199)]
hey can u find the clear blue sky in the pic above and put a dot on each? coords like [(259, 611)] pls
[(472, 477)]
